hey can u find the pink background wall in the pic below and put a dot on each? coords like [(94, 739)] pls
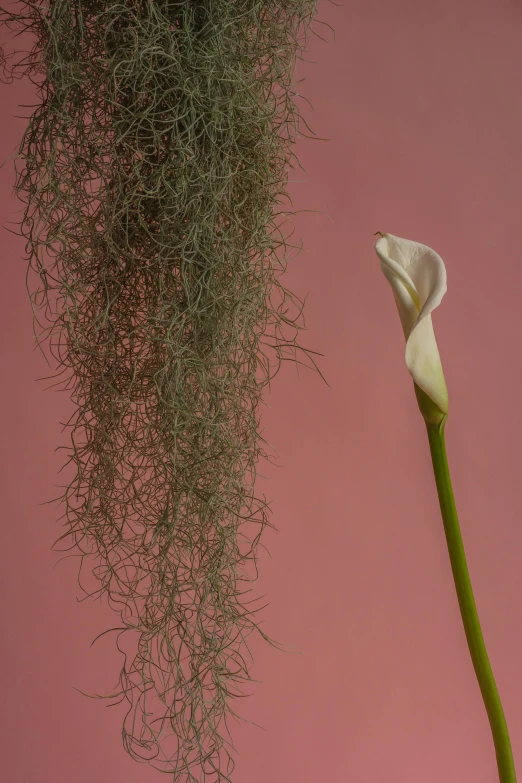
[(423, 108)]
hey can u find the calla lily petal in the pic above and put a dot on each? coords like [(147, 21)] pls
[(417, 276)]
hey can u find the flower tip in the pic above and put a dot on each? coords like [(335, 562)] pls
[(378, 232)]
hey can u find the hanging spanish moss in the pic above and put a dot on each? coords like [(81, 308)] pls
[(154, 171)]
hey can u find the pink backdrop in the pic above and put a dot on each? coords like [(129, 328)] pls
[(422, 106)]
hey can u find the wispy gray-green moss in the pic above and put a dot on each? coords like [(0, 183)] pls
[(154, 174)]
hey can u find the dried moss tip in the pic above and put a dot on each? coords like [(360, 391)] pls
[(153, 172)]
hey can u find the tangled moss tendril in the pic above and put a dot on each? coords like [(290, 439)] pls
[(154, 170)]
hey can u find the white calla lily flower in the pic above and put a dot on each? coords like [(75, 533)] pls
[(417, 276)]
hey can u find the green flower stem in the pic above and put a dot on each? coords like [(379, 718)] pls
[(468, 609)]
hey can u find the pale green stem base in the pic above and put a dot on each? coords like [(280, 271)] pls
[(468, 609)]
